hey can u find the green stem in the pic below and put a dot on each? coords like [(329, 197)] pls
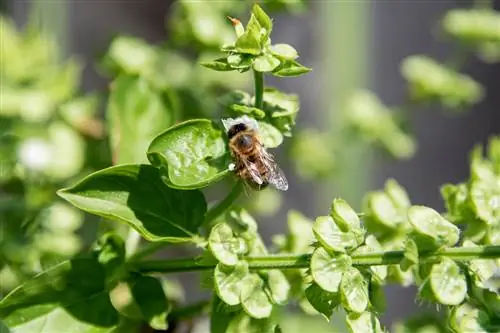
[(303, 261), (222, 206), (259, 89)]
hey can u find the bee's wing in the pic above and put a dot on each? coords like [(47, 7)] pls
[(253, 171), (275, 175)]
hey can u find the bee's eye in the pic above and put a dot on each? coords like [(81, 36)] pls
[(245, 141)]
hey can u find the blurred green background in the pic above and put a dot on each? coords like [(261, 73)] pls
[(59, 57)]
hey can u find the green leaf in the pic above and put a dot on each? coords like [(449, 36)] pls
[(278, 286), (263, 19), (284, 51), (224, 245), (110, 253), (265, 63), (430, 81), (473, 25), (332, 238), (448, 283), (70, 297), (323, 301), (220, 65), (254, 299), (354, 291), (190, 154), (136, 114), (135, 195), (239, 61), (344, 216), (229, 280), (290, 68), (150, 297), (364, 322), (430, 229), (466, 318), (250, 41), (270, 135), (382, 214), (250, 110), (130, 55), (327, 270)]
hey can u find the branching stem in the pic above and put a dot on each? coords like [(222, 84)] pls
[(303, 261), (222, 206)]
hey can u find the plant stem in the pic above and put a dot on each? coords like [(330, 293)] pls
[(259, 89), (303, 261), (222, 206)]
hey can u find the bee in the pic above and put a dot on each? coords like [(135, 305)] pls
[(253, 163)]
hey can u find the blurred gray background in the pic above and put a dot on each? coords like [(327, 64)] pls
[(376, 37)]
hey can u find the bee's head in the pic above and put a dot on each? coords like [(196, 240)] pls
[(240, 124), (235, 129)]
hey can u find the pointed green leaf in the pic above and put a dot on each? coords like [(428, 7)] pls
[(265, 63), (354, 291), (284, 51), (135, 195), (323, 301), (290, 68), (263, 19), (136, 114), (331, 237), (220, 65), (229, 280), (250, 41), (69, 297), (327, 270), (254, 299), (190, 154)]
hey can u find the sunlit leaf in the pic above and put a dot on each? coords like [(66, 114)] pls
[(190, 154), (135, 195)]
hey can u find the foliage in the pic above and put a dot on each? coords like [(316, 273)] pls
[(167, 148), (49, 134)]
